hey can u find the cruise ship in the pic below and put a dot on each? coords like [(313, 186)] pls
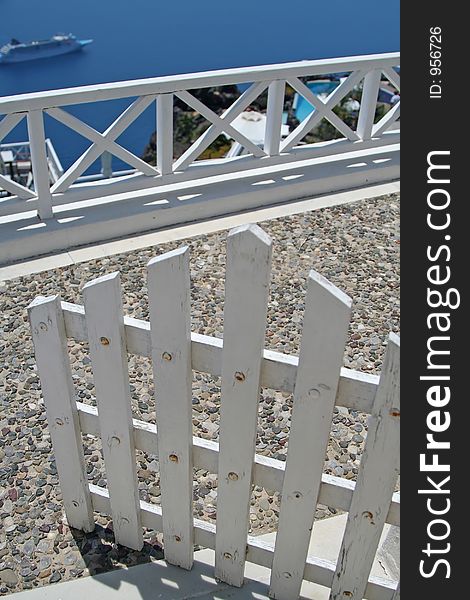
[(16, 51)]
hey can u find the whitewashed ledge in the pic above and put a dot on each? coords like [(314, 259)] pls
[(24, 236)]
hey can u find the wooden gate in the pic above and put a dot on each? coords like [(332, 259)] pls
[(316, 379)]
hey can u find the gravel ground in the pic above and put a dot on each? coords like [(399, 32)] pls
[(356, 246)]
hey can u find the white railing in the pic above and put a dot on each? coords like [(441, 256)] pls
[(315, 378), (162, 91)]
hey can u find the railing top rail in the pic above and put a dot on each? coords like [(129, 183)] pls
[(172, 83)]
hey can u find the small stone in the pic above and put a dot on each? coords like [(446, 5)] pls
[(9, 524), (55, 577), (45, 562), (13, 494), (44, 546), (70, 559), (264, 504), (9, 577), (29, 547), (45, 573)]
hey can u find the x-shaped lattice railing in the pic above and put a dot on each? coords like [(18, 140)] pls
[(220, 124), (323, 109), (6, 125), (394, 113), (102, 142), (371, 73)]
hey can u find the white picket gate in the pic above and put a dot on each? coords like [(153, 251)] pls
[(318, 383)]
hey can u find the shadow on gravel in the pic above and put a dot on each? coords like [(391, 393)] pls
[(101, 554)]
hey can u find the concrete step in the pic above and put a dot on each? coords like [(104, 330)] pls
[(160, 581)]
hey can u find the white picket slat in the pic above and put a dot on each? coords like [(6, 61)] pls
[(370, 92), (50, 344), (170, 323), (272, 136), (324, 333), (105, 325), (246, 295), (375, 483), (37, 144)]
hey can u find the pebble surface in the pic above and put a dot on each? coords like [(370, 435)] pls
[(355, 246)]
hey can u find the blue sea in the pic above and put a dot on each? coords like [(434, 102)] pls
[(148, 38)]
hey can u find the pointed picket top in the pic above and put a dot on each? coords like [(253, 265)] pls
[(252, 232), (108, 277), (167, 256), (246, 296), (330, 288)]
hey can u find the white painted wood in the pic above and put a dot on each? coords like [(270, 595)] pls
[(214, 130), (8, 123), (246, 295), (106, 336), (387, 120), (165, 133), (163, 85), (50, 345), (170, 321), (324, 334), (101, 142), (370, 92), (272, 137), (278, 371), (317, 570), (392, 76), (37, 144), (135, 185), (15, 188), (267, 472), (316, 116), (375, 483), (396, 595), (220, 124), (322, 109)]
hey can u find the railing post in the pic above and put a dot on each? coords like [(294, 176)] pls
[(164, 140), (370, 92), (107, 165), (37, 144), (272, 137)]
